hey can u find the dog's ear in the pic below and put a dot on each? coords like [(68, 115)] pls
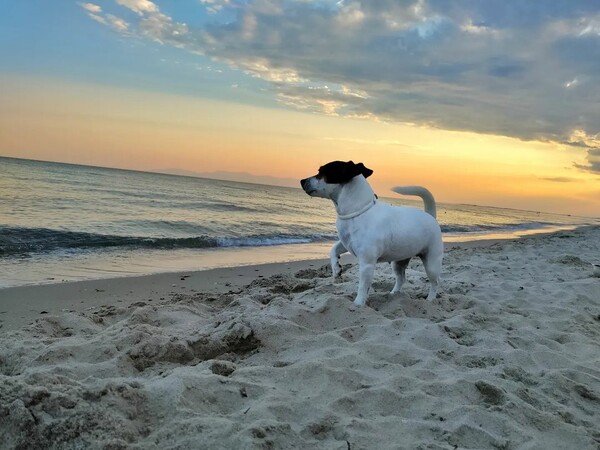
[(365, 171), (340, 172)]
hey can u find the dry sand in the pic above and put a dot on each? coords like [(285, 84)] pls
[(508, 357)]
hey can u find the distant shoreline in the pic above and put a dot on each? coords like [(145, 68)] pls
[(167, 172), (205, 177)]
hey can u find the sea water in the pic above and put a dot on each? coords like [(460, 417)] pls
[(70, 222)]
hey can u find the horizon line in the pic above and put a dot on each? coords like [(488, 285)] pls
[(271, 185)]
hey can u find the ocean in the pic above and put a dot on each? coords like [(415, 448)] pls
[(66, 222)]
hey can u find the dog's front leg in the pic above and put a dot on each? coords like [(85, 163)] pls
[(366, 269), (336, 251)]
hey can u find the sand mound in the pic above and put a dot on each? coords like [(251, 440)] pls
[(507, 357)]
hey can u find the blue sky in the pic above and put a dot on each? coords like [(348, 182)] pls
[(58, 39)]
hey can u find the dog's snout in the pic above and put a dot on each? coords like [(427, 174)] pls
[(307, 186)]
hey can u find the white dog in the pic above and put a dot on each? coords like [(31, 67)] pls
[(374, 231)]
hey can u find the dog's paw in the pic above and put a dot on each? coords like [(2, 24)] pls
[(337, 270), (359, 303)]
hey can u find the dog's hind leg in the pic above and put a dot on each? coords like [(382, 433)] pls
[(337, 250), (433, 266), (400, 272)]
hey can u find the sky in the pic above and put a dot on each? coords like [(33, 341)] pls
[(492, 102)]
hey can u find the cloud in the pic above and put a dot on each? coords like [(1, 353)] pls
[(90, 7), (152, 23), (560, 179), (593, 161), (95, 13), (140, 7), (214, 6), (507, 67), (117, 23), (592, 144)]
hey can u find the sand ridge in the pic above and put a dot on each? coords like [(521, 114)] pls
[(507, 357)]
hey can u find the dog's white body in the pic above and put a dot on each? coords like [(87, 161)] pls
[(374, 231)]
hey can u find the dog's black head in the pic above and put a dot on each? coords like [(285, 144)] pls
[(340, 172), (333, 173)]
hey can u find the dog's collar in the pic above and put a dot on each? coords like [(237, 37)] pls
[(357, 213)]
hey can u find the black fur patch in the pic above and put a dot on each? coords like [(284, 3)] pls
[(339, 172)]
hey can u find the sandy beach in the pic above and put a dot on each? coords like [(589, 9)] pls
[(276, 356)]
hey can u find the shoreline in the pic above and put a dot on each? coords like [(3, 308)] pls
[(21, 305), (96, 267)]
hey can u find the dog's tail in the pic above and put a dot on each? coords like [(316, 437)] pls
[(421, 192)]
